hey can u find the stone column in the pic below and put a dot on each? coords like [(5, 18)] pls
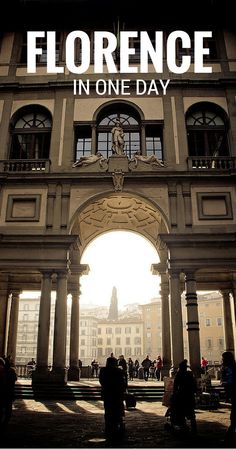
[(176, 319), (165, 318), (73, 373), (143, 149), (228, 322), (41, 373), (58, 373), (94, 139), (12, 336), (193, 324), (4, 301)]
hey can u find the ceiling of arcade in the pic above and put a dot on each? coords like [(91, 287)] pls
[(119, 212)]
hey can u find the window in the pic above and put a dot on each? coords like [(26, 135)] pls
[(137, 351), (209, 343), (109, 341), (118, 351), (26, 307), (30, 133), (154, 141), (118, 330), (100, 352), (108, 351), (82, 342), (137, 330), (83, 136), (118, 341), (83, 332), (128, 352), (109, 330), (25, 317), (219, 321), (137, 341), (220, 343), (133, 127), (127, 341), (207, 131), (99, 330), (128, 330), (208, 322), (99, 341)]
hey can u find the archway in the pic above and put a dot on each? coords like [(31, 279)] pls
[(123, 212)]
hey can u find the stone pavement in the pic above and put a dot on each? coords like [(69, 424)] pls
[(79, 424)]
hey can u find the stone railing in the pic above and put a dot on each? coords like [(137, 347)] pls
[(211, 163), (25, 165)]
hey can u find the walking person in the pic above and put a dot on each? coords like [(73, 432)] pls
[(183, 398), (146, 363), (113, 387)]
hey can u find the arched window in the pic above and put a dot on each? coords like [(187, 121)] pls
[(31, 133), (139, 135), (131, 128), (207, 131)]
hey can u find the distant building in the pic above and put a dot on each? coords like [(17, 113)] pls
[(120, 337)]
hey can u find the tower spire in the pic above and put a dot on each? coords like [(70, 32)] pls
[(113, 310)]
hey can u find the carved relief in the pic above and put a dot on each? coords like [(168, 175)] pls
[(119, 212), (118, 180)]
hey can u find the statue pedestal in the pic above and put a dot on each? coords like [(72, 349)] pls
[(118, 162)]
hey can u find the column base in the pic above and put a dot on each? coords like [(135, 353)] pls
[(58, 376), (41, 375), (74, 373)]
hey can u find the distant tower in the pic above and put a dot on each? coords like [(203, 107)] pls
[(113, 310)]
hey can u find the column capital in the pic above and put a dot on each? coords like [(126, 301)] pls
[(63, 273), (190, 275), (174, 273), (46, 273)]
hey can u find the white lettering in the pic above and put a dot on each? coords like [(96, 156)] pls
[(100, 51), (70, 52), (147, 50), (32, 51), (199, 51)]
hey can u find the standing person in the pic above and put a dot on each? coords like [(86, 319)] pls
[(136, 368), (158, 365), (123, 365), (80, 364), (229, 382), (131, 369), (113, 389), (204, 365), (183, 398), (146, 363)]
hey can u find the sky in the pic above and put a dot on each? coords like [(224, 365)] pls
[(122, 259)]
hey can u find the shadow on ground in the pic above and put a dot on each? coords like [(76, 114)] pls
[(66, 424)]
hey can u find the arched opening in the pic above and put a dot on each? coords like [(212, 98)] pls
[(122, 259)]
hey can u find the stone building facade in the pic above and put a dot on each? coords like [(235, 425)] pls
[(63, 182)]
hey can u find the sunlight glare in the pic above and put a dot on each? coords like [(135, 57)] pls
[(122, 259)]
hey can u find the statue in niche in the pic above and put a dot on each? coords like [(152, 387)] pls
[(91, 159), (152, 160), (118, 141)]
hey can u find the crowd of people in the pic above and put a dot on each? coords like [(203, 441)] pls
[(114, 379), (134, 369)]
